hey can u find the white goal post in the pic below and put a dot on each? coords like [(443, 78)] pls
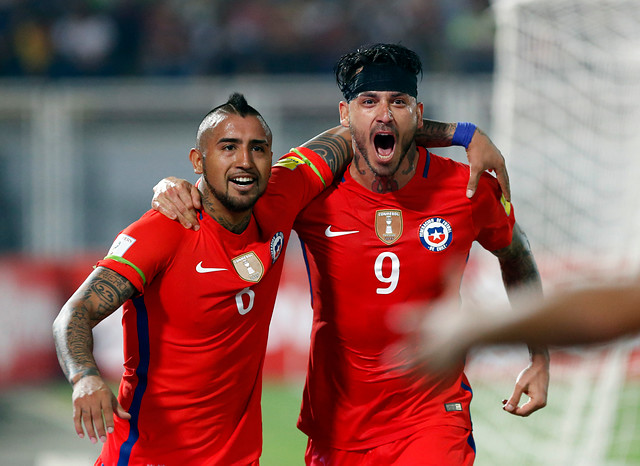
[(566, 115)]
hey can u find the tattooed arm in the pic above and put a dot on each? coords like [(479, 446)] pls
[(520, 272), (94, 404), (334, 146), (482, 154)]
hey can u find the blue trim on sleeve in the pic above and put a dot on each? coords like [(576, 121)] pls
[(142, 371), (306, 265), (471, 442)]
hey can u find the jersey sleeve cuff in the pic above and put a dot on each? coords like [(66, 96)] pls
[(126, 269)]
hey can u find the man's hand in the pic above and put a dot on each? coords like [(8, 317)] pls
[(484, 155), (94, 404), (177, 199), (533, 382)]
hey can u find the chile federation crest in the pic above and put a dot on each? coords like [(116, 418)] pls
[(435, 234)]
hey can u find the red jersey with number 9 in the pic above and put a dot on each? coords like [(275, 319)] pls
[(368, 254)]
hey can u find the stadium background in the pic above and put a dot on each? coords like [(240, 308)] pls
[(101, 99)]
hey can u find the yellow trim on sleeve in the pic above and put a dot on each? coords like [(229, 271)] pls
[(506, 204), (311, 165)]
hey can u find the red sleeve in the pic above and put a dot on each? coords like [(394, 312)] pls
[(492, 214), (136, 253), (303, 156)]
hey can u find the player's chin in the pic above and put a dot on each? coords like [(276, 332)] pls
[(385, 167), (246, 200)]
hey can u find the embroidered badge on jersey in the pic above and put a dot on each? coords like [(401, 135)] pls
[(389, 225), (435, 234), (249, 267), (276, 246)]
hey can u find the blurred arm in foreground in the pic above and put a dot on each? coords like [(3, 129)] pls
[(585, 315)]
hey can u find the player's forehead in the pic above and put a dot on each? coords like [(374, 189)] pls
[(385, 94), (233, 126)]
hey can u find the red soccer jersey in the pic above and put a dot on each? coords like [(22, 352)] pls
[(368, 253), (195, 337)]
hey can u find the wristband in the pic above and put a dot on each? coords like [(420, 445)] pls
[(463, 134)]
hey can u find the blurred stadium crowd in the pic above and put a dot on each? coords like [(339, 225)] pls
[(101, 38)]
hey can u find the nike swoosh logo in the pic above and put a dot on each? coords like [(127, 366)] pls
[(201, 269), (332, 234)]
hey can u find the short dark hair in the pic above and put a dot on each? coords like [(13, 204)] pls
[(350, 64), (236, 105)]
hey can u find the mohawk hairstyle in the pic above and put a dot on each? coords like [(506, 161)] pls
[(236, 105), (351, 63)]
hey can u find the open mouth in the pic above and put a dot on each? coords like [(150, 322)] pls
[(243, 181), (384, 144)]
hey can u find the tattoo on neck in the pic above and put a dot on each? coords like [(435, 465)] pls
[(356, 163), (234, 227), (384, 184), (412, 155), (237, 227)]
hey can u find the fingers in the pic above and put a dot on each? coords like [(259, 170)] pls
[(119, 410), (178, 200), (536, 401), (93, 409), (511, 405), (531, 406), (77, 422), (503, 180), (196, 198), (474, 177), (169, 210), (484, 155), (87, 419)]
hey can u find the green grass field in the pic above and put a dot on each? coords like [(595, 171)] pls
[(502, 439), (284, 444), (565, 429)]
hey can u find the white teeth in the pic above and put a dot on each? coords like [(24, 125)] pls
[(242, 180)]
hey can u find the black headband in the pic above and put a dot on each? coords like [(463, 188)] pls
[(382, 77)]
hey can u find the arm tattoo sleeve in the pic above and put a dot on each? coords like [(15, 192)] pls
[(519, 271), (518, 266), (334, 149), (435, 134), (98, 297)]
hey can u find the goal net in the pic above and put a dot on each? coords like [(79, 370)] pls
[(566, 116)]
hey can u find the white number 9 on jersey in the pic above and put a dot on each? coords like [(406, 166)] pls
[(393, 277)]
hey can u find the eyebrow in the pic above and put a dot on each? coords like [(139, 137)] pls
[(238, 141), (375, 93)]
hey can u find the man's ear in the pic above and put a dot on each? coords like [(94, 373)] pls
[(197, 159), (344, 113), (419, 114)]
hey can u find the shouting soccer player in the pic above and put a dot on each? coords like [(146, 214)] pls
[(396, 229)]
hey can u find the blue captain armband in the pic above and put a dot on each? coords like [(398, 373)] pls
[(463, 134)]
